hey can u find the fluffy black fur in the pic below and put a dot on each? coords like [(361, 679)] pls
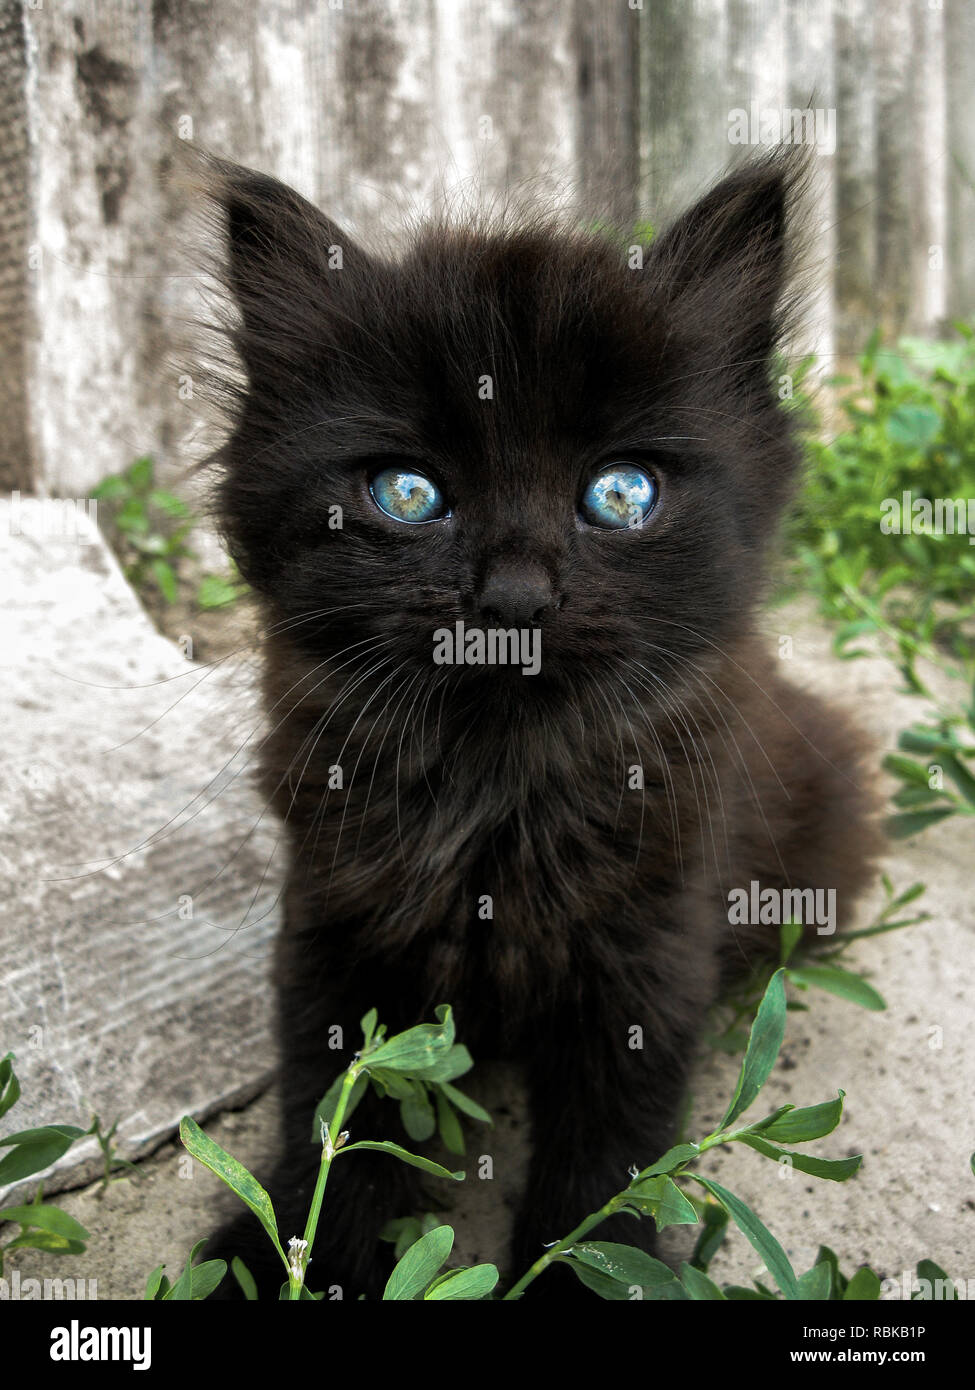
[(609, 903)]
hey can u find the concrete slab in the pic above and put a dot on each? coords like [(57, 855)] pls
[(135, 919)]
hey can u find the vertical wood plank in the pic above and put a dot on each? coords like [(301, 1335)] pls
[(896, 221), (384, 109), (960, 151), (926, 311), (685, 101), (811, 85), (606, 45), (855, 266), (16, 234)]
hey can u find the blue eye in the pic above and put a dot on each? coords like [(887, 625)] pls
[(620, 496), (407, 496)]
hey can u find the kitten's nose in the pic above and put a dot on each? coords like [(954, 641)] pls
[(515, 593)]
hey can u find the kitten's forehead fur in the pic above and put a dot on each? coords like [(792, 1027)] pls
[(512, 357)]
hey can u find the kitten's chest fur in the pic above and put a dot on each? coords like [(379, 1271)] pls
[(499, 851)]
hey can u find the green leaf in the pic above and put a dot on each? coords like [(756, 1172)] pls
[(325, 1109), (699, 1286), (916, 890), (961, 777), (418, 1047), (825, 1255), (599, 1283), (789, 934), (624, 1263), (154, 1284), (811, 1122), (388, 1147), (661, 1198), (758, 1235), (417, 1115), (715, 1228), (43, 1133), (907, 770), (164, 576), (182, 1290), (456, 1061), (205, 1278), (927, 1269), (150, 543), (764, 1042), (132, 518), (907, 823), (139, 474), (399, 1085), (404, 1231), (368, 1025), (476, 1282), (206, 1151), (674, 1292), (926, 741), (169, 503), (216, 592), (9, 1085), (915, 426), (35, 1149), (843, 983), (835, 1169), (815, 1284), (244, 1278), (767, 1121), (465, 1104), (449, 1125), (110, 489), (864, 1287), (673, 1158), (46, 1240), (419, 1265), (46, 1218)]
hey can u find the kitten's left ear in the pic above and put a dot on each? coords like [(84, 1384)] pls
[(727, 254)]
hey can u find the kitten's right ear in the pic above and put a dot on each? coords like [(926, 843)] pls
[(284, 259), (725, 259)]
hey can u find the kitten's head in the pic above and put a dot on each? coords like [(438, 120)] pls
[(516, 427)]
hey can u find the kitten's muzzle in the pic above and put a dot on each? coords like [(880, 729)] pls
[(516, 593)]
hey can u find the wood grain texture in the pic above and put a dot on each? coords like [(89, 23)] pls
[(383, 111)]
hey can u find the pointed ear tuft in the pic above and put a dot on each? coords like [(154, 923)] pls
[(285, 261), (729, 253)]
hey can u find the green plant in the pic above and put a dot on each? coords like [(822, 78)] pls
[(818, 967), (658, 1192), (910, 429), (908, 445), (42, 1226), (110, 1159), (944, 748), (219, 590), (196, 1282), (409, 1066), (152, 525)]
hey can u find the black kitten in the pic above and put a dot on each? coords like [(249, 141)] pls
[(545, 434)]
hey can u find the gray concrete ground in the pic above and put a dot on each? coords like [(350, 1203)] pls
[(112, 999)]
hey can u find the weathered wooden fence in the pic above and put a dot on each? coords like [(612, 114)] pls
[(380, 108)]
